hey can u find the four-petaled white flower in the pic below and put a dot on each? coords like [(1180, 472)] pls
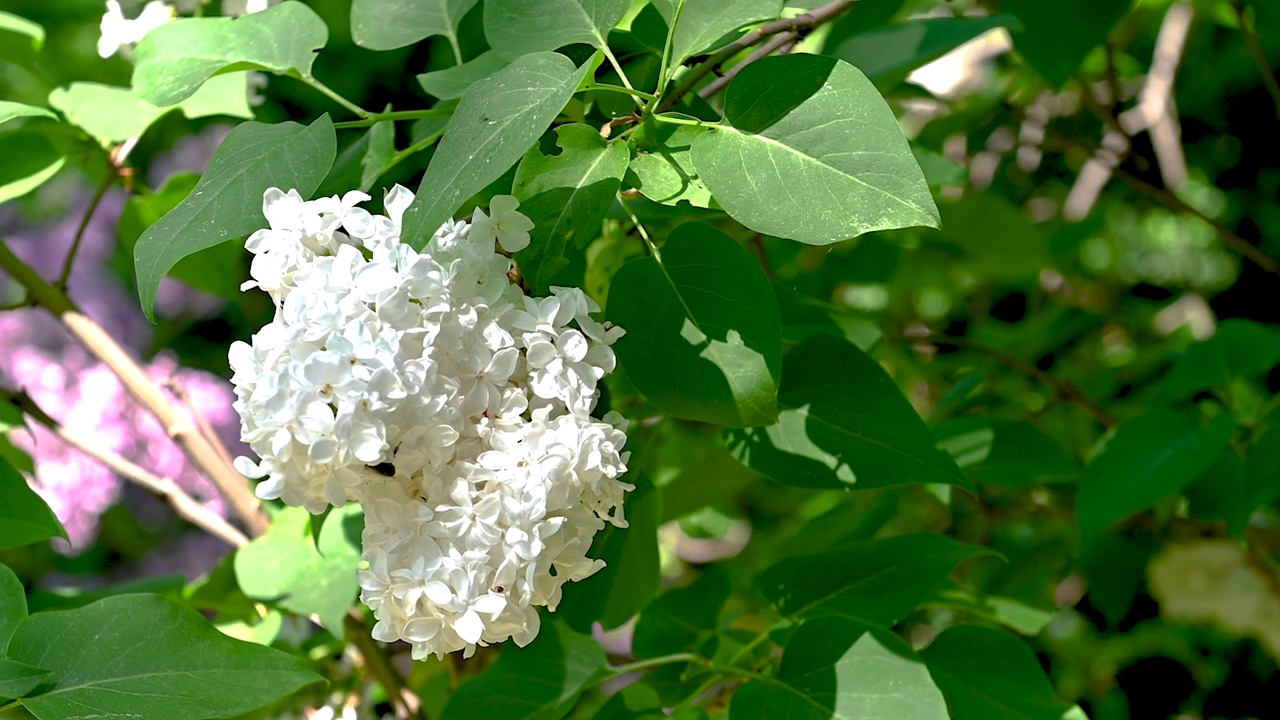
[(510, 228)]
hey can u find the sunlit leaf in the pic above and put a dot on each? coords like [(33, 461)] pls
[(389, 24)]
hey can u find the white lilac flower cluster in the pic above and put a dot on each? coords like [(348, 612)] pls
[(453, 407), (122, 33)]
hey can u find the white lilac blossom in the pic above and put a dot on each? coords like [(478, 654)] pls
[(122, 33), (429, 388)]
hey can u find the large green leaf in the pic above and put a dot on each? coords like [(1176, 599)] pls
[(566, 194), (630, 577), (705, 25), (843, 424), (381, 148), (987, 674), (1239, 348), (888, 54), (841, 669), (114, 114), (876, 581), (664, 171), (704, 338), (144, 657), (1056, 37), (25, 518), (994, 238), (497, 120), (287, 568), (681, 618), (13, 606), (538, 682), (1148, 458), (1005, 452), (18, 679), (519, 27), (174, 60), (812, 153), (452, 82), (11, 110), (389, 24), (227, 202)]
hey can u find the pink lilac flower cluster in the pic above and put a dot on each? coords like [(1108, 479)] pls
[(37, 356)]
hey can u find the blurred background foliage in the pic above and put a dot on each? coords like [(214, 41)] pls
[(1108, 229)]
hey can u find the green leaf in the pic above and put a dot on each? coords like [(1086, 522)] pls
[(174, 60), (389, 24), (566, 195), (812, 153), (876, 581), (11, 110), (29, 160), (287, 568), (704, 338), (144, 657), (538, 682), (497, 120), (843, 424), (227, 202), (840, 669), (987, 674), (382, 145), (114, 114), (1222, 492), (630, 577), (1262, 467), (680, 619), (18, 679), (1005, 452), (453, 82), (1146, 459), (25, 518), (705, 25), (1056, 37), (13, 606), (664, 172), (888, 54), (1239, 348), (520, 27)]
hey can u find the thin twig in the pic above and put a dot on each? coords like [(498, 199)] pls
[(801, 24), (762, 255), (210, 435), (182, 503), (406, 703), (229, 482), (778, 42), (101, 192), (1250, 35), (1064, 388)]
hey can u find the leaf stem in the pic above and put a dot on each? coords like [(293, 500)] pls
[(98, 194), (656, 662), (674, 120), (614, 88), (413, 149), (1250, 35), (617, 67), (334, 96), (664, 70), (653, 249), (12, 705), (391, 116), (800, 24), (453, 44)]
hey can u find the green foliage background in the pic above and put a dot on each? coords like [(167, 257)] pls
[(957, 405)]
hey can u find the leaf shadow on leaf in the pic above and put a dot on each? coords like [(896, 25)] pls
[(770, 99)]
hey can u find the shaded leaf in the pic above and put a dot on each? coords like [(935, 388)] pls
[(1005, 452), (1056, 37), (840, 669), (681, 618), (13, 606), (382, 145), (876, 581), (453, 82), (11, 110), (227, 202), (144, 657), (705, 25), (889, 53), (704, 337), (25, 518), (29, 160), (520, 27), (994, 238), (18, 679), (987, 674), (538, 682), (843, 424), (389, 24), (566, 195), (497, 120), (822, 160), (1146, 459), (664, 172)]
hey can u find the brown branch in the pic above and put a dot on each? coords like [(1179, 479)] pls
[(227, 479), (778, 42), (182, 503), (800, 24), (210, 435), (100, 193), (1250, 35), (1064, 388)]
